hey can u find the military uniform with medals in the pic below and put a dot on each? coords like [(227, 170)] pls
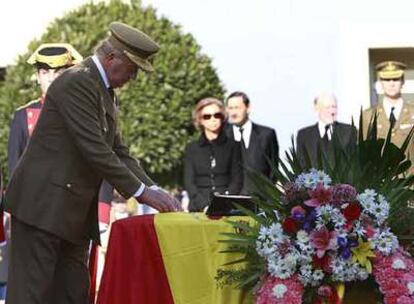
[(399, 114)]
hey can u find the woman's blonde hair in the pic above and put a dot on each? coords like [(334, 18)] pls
[(201, 105)]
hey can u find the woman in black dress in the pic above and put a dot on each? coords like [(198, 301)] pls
[(213, 162)]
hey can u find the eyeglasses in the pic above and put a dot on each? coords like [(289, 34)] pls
[(217, 115)]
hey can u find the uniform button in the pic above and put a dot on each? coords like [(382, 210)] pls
[(392, 134), (30, 126), (30, 113), (68, 185), (105, 129), (213, 188)]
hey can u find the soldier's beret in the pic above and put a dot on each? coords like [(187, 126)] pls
[(390, 69), (54, 56), (138, 46)]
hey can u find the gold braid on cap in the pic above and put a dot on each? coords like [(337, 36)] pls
[(55, 61)]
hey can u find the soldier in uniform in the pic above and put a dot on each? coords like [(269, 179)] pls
[(50, 60), (52, 195), (393, 111)]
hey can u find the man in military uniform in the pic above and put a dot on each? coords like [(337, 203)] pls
[(50, 60), (53, 192), (393, 111)]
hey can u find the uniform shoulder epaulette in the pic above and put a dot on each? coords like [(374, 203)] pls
[(81, 69), (27, 104)]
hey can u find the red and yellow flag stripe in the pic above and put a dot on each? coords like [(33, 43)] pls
[(167, 258)]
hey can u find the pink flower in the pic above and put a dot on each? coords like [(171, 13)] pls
[(319, 196), (370, 231), (292, 295), (343, 193), (394, 282), (325, 291), (390, 299), (405, 300), (323, 240)]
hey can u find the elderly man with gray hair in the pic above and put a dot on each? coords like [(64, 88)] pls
[(53, 193), (327, 130)]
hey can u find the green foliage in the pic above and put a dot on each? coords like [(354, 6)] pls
[(156, 108)]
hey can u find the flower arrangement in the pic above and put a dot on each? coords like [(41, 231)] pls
[(319, 230), (329, 235)]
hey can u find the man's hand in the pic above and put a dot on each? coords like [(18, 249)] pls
[(160, 200)]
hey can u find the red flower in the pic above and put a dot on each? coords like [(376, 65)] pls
[(322, 263), (352, 211), (290, 225)]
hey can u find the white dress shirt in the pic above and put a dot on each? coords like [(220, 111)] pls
[(321, 127), (247, 132), (397, 107), (104, 77)]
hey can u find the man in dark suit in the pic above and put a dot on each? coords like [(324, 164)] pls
[(259, 146), (53, 193), (325, 132)]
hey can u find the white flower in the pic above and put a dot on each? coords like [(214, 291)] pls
[(337, 265), (386, 242), (374, 205), (410, 287), (279, 290), (312, 178), (282, 267), (318, 275), (269, 239), (398, 264), (276, 233), (367, 198), (302, 236), (323, 215), (359, 229), (362, 274), (338, 218)]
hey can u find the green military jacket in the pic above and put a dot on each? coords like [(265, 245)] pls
[(76, 144), (401, 128)]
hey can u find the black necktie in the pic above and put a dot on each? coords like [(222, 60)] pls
[(325, 136), (241, 138), (392, 118), (111, 92), (113, 96)]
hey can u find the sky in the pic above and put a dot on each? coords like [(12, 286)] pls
[(280, 52)]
